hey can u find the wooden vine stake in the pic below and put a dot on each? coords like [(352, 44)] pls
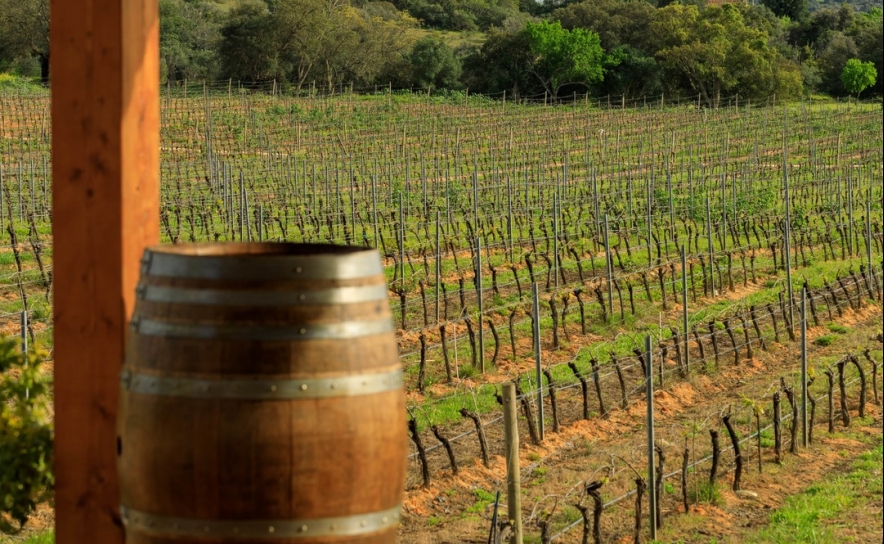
[(513, 475), (649, 399)]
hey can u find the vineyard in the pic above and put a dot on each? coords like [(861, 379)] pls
[(542, 244)]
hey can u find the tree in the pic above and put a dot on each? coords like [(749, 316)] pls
[(617, 22), (793, 9), (870, 45), (278, 39), (249, 48), (24, 32), (831, 62), (857, 76), (715, 51), (189, 36), (503, 63), (563, 57), (381, 52), (327, 40), (433, 64), (636, 74)]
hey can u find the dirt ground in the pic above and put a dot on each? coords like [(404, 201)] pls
[(455, 509)]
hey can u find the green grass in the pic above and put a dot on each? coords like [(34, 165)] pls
[(706, 492), (838, 328), (817, 514), (47, 537), (483, 499)]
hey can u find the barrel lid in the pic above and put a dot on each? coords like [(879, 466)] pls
[(261, 261)]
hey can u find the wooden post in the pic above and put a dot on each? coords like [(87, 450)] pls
[(105, 147), (609, 268), (652, 471), (538, 355), (684, 310), (804, 383), (513, 477), (481, 305)]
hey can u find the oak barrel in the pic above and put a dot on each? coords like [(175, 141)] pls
[(261, 398)]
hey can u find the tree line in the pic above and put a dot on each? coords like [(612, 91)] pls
[(631, 48)]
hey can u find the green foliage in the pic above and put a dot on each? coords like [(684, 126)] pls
[(613, 47), (562, 57), (826, 340), (870, 40), (706, 492), (838, 328), (716, 51), (10, 81), (501, 64), (617, 22), (433, 64), (298, 41), (635, 74), (189, 35), (247, 49), (857, 76), (483, 499), (795, 10), (460, 14), (25, 436), (24, 34)]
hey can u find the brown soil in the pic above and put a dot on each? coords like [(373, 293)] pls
[(450, 510)]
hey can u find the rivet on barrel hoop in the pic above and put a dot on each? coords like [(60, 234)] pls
[(145, 263), (277, 388)]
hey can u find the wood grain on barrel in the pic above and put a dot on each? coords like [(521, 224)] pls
[(261, 459)]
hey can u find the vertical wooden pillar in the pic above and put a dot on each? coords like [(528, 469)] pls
[(105, 191)]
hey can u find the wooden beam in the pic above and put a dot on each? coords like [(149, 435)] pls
[(105, 194)]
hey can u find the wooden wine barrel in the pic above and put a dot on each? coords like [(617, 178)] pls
[(261, 398)]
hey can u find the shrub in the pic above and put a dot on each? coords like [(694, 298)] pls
[(26, 477), (10, 81)]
